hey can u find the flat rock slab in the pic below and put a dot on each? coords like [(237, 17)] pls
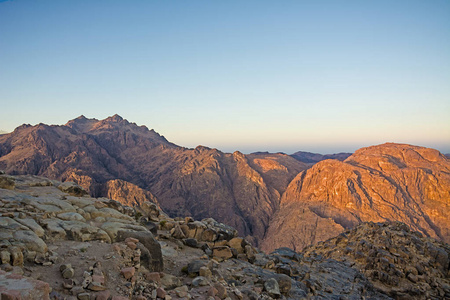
[(14, 286)]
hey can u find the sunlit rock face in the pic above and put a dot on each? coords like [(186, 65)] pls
[(120, 160), (386, 182)]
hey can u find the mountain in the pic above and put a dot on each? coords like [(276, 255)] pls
[(129, 163), (308, 157), (273, 199), (380, 183)]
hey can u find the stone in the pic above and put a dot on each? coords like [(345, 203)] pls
[(221, 291), (19, 287), (72, 188), (103, 295), (193, 268), (16, 256), (169, 281), (222, 253), (205, 272), (153, 276), (191, 242), (284, 283), (160, 293), (128, 272), (177, 233), (68, 273), (237, 243), (200, 281), (272, 288), (31, 240), (83, 296), (5, 257), (182, 291), (96, 286), (153, 257)]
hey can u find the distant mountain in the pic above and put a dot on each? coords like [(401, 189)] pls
[(276, 199), (308, 157), (118, 159), (447, 155)]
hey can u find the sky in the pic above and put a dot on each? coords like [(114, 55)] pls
[(278, 76)]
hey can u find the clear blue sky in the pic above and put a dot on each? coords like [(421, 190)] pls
[(323, 76)]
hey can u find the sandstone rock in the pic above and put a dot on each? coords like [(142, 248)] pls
[(222, 252), (237, 243), (19, 287), (128, 272), (31, 240)]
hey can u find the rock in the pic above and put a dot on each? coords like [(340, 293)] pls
[(7, 182), (153, 276), (96, 286), (177, 233), (160, 293), (16, 256), (103, 295), (182, 291), (199, 281), (35, 227), (169, 281), (221, 291), (83, 296), (5, 257), (68, 273), (222, 253), (237, 243), (205, 272), (272, 288), (193, 268), (18, 287), (154, 257), (72, 188), (31, 240), (128, 272), (190, 242), (284, 283)]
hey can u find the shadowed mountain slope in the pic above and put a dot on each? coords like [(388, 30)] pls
[(129, 163)]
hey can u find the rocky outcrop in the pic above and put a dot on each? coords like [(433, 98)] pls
[(54, 245), (398, 262), (380, 183)]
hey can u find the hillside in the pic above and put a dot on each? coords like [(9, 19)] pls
[(59, 243), (243, 191), (389, 182)]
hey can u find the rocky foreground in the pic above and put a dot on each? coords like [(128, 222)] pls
[(56, 242)]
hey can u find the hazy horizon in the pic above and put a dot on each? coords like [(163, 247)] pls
[(251, 148), (289, 76)]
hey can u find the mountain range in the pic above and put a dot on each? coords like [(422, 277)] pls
[(273, 199)]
